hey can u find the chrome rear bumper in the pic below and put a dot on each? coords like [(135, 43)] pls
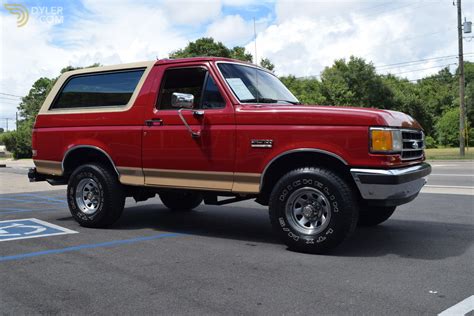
[(391, 186)]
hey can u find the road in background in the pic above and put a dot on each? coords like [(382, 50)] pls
[(451, 177)]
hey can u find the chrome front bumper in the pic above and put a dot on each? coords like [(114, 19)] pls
[(391, 187)]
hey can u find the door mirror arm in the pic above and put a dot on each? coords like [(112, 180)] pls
[(193, 133)]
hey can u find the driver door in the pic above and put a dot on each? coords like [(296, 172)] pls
[(171, 155)]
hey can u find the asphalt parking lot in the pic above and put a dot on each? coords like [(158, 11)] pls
[(226, 260)]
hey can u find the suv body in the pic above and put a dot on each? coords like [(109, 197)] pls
[(201, 128)]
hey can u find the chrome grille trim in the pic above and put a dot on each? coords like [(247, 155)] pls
[(413, 144)]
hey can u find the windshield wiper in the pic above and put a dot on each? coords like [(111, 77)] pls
[(268, 100)]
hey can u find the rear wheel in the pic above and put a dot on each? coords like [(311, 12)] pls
[(95, 196), (372, 215), (313, 210), (181, 200)]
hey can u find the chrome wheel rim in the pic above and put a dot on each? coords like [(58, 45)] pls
[(308, 211), (88, 196)]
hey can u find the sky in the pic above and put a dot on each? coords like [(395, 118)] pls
[(300, 37)]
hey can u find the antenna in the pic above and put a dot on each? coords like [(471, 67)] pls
[(256, 60), (255, 40)]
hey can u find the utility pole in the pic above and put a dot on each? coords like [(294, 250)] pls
[(461, 84), (16, 120), (7, 123)]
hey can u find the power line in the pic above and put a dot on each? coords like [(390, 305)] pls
[(13, 95), (415, 70), (419, 60), (417, 63), (10, 99), (393, 9)]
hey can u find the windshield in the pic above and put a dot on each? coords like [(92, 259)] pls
[(253, 85)]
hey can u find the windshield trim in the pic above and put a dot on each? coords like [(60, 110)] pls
[(245, 65)]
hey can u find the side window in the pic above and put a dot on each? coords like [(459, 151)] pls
[(212, 98), (181, 80), (98, 89), (195, 81)]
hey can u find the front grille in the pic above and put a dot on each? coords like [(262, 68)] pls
[(413, 144)]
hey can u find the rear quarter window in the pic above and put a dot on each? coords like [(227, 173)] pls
[(98, 89)]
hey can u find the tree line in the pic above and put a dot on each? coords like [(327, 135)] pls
[(433, 101)]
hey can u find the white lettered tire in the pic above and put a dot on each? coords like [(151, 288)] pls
[(95, 196), (313, 210)]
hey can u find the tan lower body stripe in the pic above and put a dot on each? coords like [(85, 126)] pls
[(191, 179), (48, 167)]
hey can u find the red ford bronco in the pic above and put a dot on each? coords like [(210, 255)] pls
[(220, 131)]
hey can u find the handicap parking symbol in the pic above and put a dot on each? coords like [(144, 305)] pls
[(30, 228)]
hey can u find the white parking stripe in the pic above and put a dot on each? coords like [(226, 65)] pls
[(441, 189), (449, 186), (461, 308), (451, 175)]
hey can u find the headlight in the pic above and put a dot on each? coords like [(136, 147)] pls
[(385, 140)]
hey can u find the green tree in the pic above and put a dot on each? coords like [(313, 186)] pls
[(19, 142), (355, 83), (447, 128), (266, 63), (437, 92), (307, 90), (31, 103), (207, 46), (238, 52), (406, 98)]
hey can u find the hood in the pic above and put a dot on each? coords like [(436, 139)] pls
[(284, 114)]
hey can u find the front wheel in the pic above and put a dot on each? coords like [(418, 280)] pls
[(181, 200), (313, 210), (95, 196), (372, 216)]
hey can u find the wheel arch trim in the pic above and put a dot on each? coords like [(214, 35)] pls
[(102, 151), (299, 150)]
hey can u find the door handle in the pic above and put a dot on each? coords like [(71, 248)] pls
[(198, 113), (154, 122)]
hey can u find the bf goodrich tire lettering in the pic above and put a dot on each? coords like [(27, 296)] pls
[(324, 211)]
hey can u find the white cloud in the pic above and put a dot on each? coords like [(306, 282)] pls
[(192, 12), (25, 57), (288, 9), (232, 30), (309, 35)]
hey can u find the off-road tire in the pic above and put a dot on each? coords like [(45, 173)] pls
[(373, 215), (181, 200), (333, 190), (111, 198)]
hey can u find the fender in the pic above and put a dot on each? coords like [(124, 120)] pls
[(71, 149), (313, 150)]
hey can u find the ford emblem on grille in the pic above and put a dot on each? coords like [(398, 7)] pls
[(414, 145)]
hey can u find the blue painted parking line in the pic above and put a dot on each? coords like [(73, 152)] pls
[(88, 246), (41, 197), (4, 210), (31, 201)]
